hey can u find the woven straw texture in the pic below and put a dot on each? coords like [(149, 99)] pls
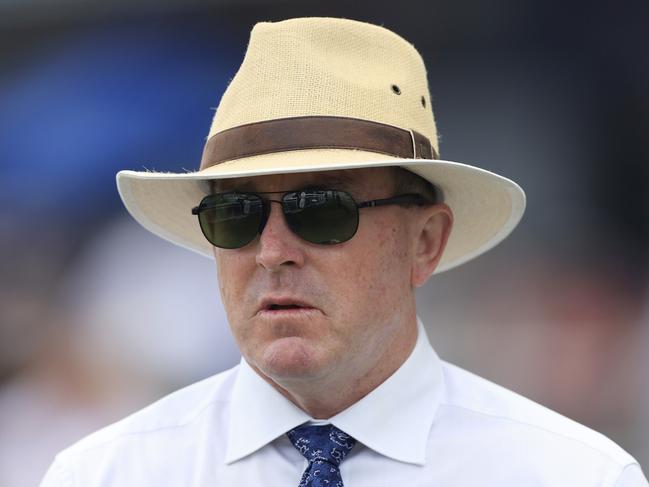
[(315, 66)]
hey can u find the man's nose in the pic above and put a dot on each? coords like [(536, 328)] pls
[(278, 245)]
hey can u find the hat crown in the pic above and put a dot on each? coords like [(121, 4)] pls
[(328, 67)]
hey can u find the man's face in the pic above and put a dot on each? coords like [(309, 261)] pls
[(300, 310)]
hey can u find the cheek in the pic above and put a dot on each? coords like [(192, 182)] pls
[(379, 278), (231, 274), (234, 278)]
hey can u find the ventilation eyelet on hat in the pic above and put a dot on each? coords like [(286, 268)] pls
[(396, 90)]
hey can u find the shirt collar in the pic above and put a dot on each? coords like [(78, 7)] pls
[(381, 420), (258, 414), (403, 407)]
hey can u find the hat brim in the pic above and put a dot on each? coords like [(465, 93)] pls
[(486, 206)]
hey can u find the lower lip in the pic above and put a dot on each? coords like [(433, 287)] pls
[(288, 313)]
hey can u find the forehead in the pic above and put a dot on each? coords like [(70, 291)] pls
[(356, 180)]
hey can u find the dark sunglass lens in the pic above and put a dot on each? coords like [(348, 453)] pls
[(321, 217), (230, 220)]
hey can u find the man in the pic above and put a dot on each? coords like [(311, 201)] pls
[(322, 198)]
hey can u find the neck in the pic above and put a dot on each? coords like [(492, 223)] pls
[(344, 389)]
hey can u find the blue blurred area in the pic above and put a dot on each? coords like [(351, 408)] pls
[(128, 95)]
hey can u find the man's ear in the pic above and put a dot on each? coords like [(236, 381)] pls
[(433, 227)]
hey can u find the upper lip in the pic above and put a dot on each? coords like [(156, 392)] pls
[(268, 301)]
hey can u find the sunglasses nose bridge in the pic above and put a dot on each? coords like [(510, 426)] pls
[(278, 246), (267, 214)]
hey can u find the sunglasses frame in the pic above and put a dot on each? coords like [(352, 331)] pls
[(401, 199)]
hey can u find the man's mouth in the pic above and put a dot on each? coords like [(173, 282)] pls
[(274, 307), (284, 304)]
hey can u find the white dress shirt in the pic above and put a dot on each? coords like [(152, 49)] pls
[(429, 424)]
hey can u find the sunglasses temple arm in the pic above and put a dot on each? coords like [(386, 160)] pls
[(402, 199)]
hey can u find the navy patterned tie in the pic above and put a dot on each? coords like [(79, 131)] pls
[(324, 447)]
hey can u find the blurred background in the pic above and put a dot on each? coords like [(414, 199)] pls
[(98, 318)]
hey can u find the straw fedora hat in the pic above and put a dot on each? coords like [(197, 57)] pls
[(317, 94)]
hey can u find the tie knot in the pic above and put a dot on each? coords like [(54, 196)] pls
[(321, 443)]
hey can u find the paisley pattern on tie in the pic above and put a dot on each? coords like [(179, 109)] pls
[(324, 446)]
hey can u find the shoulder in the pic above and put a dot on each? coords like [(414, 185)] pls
[(524, 431), (172, 426), (177, 410)]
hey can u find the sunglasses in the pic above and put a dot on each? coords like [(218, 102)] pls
[(326, 217)]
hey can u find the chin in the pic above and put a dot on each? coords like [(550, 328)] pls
[(290, 358)]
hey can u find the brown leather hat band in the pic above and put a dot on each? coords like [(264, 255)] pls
[(286, 134)]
